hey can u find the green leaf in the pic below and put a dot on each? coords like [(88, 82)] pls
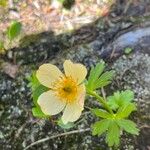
[(3, 3), (104, 79), (128, 50), (2, 47), (95, 73), (120, 99), (113, 101), (33, 81), (101, 113), (36, 87), (113, 134), (100, 127), (65, 126), (61, 1), (37, 92), (127, 95), (14, 30), (36, 111), (97, 79), (128, 125), (125, 111)]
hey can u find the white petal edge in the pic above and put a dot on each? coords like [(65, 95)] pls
[(47, 74), (50, 104)]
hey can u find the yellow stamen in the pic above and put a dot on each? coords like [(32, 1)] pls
[(66, 89)]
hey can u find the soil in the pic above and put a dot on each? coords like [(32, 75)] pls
[(127, 25)]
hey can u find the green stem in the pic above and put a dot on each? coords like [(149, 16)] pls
[(101, 100)]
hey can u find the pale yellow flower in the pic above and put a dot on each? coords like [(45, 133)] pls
[(67, 91)]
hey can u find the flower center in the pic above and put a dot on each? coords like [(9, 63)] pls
[(66, 89)]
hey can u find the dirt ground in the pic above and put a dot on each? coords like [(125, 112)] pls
[(89, 31)]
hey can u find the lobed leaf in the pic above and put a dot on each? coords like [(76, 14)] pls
[(125, 111), (101, 113), (120, 99), (128, 125), (104, 79), (100, 127), (97, 79), (95, 73), (127, 95), (113, 134)]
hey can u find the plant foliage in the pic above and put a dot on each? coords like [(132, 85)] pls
[(120, 99), (117, 108), (37, 90), (14, 30), (113, 124), (65, 126), (98, 78), (113, 114)]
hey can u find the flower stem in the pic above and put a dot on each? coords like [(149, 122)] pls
[(101, 100)]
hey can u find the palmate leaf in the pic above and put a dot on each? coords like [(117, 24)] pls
[(112, 127), (100, 127), (128, 125), (120, 99), (95, 73), (113, 134), (127, 95), (97, 78), (101, 113), (104, 79), (126, 110), (113, 101)]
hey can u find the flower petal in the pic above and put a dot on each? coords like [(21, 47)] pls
[(75, 70), (71, 113), (47, 74), (73, 110), (50, 104), (81, 95)]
